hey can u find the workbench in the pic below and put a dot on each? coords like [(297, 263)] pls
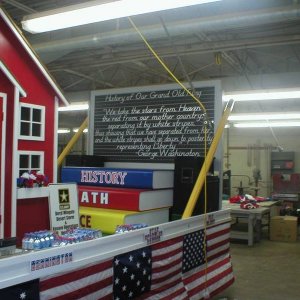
[(253, 219)]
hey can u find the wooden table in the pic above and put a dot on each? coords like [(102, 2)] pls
[(269, 203), (254, 220)]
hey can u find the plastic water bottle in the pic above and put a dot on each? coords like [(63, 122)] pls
[(30, 241), (47, 240), (51, 238), (25, 241), (37, 242), (42, 241)]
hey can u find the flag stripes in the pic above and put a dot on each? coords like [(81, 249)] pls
[(217, 274), (163, 265), (223, 284), (218, 241), (209, 279), (79, 283), (166, 271)]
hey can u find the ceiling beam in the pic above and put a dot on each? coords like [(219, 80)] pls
[(167, 52), (79, 74), (20, 6)]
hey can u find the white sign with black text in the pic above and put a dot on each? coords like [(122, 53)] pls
[(63, 207)]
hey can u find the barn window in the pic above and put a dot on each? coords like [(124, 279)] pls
[(32, 122), (31, 161)]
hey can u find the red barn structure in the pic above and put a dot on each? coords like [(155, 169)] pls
[(29, 101)]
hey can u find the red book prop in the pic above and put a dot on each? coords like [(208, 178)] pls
[(124, 199)]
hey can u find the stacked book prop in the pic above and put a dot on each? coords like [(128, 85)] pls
[(109, 197)]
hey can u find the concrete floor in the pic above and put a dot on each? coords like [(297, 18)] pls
[(266, 271)]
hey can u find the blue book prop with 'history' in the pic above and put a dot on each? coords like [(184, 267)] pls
[(130, 178)]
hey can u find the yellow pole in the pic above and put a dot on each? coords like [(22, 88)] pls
[(72, 142), (206, 165)]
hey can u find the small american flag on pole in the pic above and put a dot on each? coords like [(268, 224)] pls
[(171, 269)]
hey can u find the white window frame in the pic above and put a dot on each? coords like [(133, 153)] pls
[(41, 154), (30, 137)]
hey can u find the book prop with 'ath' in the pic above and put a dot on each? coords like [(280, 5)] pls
[(124, 199)]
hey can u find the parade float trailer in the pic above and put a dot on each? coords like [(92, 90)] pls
[(181, 259)]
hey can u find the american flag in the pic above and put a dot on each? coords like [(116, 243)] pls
[(217, 274), (23, 291), (185, 267)]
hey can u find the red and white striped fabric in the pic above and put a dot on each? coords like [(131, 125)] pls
[(218, 274), (177, 271), (92, 282), (166, 280)]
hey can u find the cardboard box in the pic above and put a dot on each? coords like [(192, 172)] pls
[(284, 228)]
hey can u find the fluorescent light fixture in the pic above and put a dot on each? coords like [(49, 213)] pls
[(263, 95), (76, 130), (74, 107), (267, 124), (97, 11), (264, 116), (63, 131)]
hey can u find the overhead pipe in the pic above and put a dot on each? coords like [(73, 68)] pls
[(207, 162)]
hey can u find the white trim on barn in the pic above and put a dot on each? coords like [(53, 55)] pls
[(15, 164), (32, 54), (12, 79), (30, 153), (55, 138), (30, 136), (3, 159)]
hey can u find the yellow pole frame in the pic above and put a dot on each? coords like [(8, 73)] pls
[(72, 142), (207, 162)]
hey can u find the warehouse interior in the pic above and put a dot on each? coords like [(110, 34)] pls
[(249, 46)]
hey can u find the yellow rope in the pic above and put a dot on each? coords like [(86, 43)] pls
[(205, 136), (205, 209), (165, 66)]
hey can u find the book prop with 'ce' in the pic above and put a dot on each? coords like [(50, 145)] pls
[(107, 220), (128, 178), (124, 199)]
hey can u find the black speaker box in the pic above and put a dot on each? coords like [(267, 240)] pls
[(84, 161), (185, 176)]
